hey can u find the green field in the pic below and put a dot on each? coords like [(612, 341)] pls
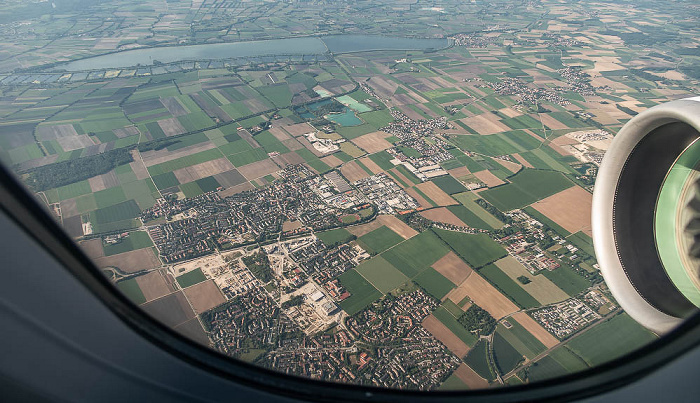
[(135, 240), (447, 319), (379, 240), (350, 132), (505, 355), (478, 360), (468, 217), (381, 274), (191, 189), (377, 119), (335, 236), (509, 287), (611, 339), (188, 279), (74, 190), (567, 279), (118, 212), (434, 283), (497, 144), (526, 187), (184, 162), (247, 157), (560, 361), (477, 250), (362, 292), (449, 184), (416, 254), (582, 241), (109, 197), (130, 288), (383, 159), (467, 199), (521, 339), (453, 383)]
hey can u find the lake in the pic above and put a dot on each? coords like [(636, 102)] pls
[(219, 51), (347, 118)]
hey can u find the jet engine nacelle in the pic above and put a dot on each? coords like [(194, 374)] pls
[(646, 215)]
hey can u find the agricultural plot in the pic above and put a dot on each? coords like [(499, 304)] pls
[(135, 240), (204, 296), (447, 319), (467, 200), (372, 142), (567, 280), (434, 283), (442, 215), (154, 285), (546, 221), (416, 254), (379, 240), (453, 268), (526, 344), (445, 335), (621, 334), (505, 355), (362, 293), (477, 359), (475, 249), (449, 184), (191, 278), (381, 274), (509, 287), (540, 287), (335, 236), (130, 288), (130, 262), (526, 187), (453, 382), (570, 209), (468, 217), (560, 361), (118, 212)]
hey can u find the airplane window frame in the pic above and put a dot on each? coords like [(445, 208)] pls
[(35, 220)]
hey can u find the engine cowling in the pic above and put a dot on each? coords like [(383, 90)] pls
[(646, 215)]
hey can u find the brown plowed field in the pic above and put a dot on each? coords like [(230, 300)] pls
[(488, 178), (442, 215), (153, 285), (258, 169), (535, 329), (570, 208), (92, 248), (423, 203), (204, 296), (130, 262), (471, 378), (373, 142), (397, 226), (522, 160), (371, 165), (487, 296), (353, 172), (299, 129), (436, 194), (332, 161), (459, 172), (453, 268), (446, 337)]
